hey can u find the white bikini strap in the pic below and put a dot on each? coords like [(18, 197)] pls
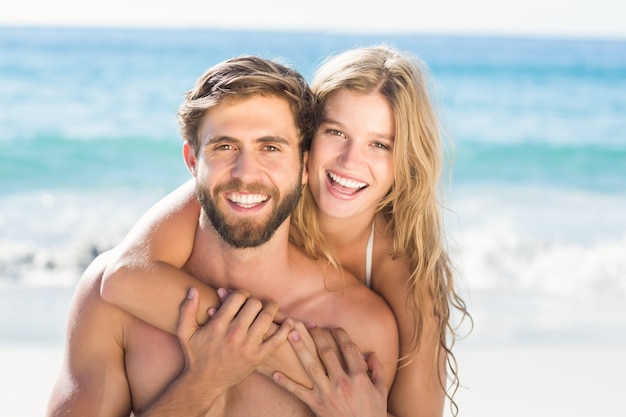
[(368, 258)]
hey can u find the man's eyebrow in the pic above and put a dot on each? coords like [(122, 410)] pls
[(273, 139), (215, 139), (262, 140)]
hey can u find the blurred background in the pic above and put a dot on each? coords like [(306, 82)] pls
[(532, 96)]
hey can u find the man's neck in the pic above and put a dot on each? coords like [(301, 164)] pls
[(254, 269)]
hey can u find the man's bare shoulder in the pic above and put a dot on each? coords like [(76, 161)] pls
[(92, 373), (95, 325), (87, 295), (314, 291), (359, 302), (339, 290), (369, 321)]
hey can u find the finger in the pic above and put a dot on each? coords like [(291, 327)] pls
[(247, 315), (377, 373), (327, 350), (304, 334), (310, 361), (299, 391), (280, 316), (277, 339), (352, 356), (187, 320), (263, 325), (231, 304)]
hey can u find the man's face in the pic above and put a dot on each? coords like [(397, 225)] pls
[(248, 169)]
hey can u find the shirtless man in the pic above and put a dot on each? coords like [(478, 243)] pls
[(246, 125)]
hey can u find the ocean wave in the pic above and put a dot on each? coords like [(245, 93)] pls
[(49, 237), (534, 264), (584, 166)]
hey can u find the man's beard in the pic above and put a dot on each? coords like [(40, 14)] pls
[(245, 232)]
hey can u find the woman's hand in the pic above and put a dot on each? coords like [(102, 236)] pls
[(345, 384), (285, 360)]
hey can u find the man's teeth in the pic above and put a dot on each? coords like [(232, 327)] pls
[(344, 182), (247, 199)]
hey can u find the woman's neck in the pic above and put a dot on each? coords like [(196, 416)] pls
[(342, 233)]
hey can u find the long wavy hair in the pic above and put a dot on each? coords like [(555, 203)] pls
[(412, 208)]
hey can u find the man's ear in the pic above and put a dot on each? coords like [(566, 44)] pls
[(190, 158), (305, 171)]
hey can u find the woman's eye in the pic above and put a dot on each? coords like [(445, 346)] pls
[(381, 145), (336, 132)]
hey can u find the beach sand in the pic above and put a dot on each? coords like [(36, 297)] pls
[(541, 381), (26, 378), (496, 381)]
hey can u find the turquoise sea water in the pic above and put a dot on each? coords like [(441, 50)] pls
[(88, 140)]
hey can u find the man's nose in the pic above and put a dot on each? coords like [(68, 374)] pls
[(246, 166)]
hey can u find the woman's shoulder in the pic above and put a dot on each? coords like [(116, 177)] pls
[(388, 269), (390, 273)]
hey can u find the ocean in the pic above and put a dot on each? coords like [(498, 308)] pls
[(536, 199)]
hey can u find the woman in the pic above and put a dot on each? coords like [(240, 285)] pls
[(371, 205)]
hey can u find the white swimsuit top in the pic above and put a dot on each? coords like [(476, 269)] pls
[(368, 258)]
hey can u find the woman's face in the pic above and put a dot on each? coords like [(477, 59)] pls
[(351, 161)]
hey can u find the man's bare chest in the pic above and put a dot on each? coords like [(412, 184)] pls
[(154, 359)]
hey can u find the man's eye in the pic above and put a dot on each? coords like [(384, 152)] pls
[(271, 148), (224, 147)]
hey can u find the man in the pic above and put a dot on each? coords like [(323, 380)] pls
[(244, 124)]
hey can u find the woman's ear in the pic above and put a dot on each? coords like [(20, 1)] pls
[(190, 158)]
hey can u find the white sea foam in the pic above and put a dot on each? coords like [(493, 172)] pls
[(550, 241), (542, 265), (48, 238), (535, 264)]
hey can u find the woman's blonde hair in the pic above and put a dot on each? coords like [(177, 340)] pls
[(412, 207)]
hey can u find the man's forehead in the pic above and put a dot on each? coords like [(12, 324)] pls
[(258, 118)]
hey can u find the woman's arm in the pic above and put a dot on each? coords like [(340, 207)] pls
[(144, 276), (417, 390)]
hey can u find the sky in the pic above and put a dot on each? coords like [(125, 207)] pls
[(569, 18)]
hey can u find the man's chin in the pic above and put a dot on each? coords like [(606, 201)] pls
[(247, 234)]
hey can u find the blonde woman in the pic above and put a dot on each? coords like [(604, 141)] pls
[(371, 205)]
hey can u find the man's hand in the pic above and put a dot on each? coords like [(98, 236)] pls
[(344, 385), (219, 354), (231, 345)]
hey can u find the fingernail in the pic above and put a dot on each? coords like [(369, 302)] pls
[(294, 336), (221, 292), (211, 311), (191, 293), (311, 325)]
